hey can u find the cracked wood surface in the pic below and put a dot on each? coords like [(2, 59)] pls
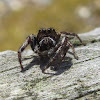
[(75, 80)]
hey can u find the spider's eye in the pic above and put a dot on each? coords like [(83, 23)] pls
[(43, 30), (49, 30), (40, 31), (53, 30)]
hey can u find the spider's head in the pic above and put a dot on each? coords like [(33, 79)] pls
[(47, 43), (47, 38)]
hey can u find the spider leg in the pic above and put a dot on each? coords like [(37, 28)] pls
[(50, 62), (29, 40), (64, 51), (62, 47), (73, 34), (75, 56), (55, 48)]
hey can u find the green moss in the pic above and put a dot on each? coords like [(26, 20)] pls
[(31, 84)]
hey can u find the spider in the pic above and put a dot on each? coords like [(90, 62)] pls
[(49, 40)]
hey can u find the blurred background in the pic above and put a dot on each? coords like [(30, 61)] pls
[(20, 18)]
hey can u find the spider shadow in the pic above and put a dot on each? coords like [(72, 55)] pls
[(65, 65), (36, 61)]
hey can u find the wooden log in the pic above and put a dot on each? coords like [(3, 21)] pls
[(75, 80)]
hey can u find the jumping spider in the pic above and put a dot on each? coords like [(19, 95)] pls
[(46, 40)]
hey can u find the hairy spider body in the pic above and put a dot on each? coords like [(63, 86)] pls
[(46, 40)]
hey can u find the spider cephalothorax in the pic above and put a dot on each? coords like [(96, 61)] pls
[(46, 40)]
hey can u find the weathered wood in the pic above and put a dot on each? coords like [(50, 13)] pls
[(75, 80)]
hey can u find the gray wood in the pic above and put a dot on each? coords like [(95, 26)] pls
[(75, 80)]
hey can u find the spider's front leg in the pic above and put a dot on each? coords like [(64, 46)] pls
[(53, 58), (60, 49), (29, 40)]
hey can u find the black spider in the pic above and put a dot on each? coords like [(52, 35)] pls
[(46, 40)]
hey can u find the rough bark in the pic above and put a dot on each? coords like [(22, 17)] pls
[(75, 80)]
